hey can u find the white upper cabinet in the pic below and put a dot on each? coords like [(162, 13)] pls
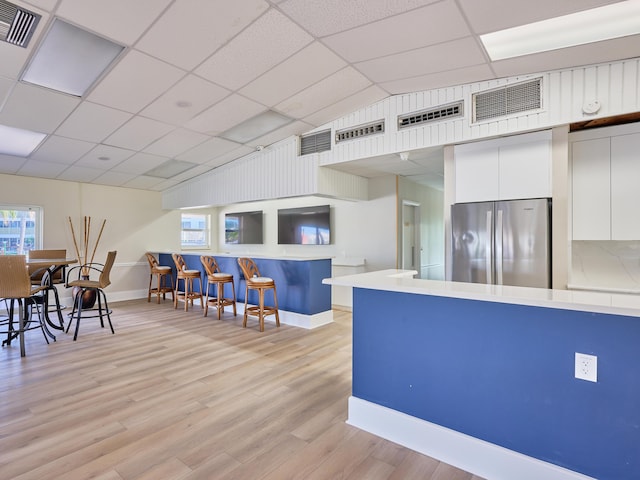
[(605, 173), (504, 169)]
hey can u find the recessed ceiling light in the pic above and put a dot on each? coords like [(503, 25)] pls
[(70, 59), (604, 23), (255, 127), (19, 142), (183, 104), (104, 159)]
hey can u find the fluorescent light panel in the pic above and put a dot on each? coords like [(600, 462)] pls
[(70, 59), (19, 142), (604, 23), (256, 127)]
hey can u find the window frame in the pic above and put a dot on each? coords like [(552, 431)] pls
[(206, 231), (37, 233)]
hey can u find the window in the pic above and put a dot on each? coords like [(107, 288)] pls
[(195, 230), (20, 229)]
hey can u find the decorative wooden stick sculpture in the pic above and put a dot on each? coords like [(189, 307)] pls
[(83, 260)]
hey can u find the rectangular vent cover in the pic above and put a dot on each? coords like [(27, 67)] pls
[(507, 100), (360, 131), (431, 115), (16, 24), (315, 142)]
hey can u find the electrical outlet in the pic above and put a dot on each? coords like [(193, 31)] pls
[(586, 367)]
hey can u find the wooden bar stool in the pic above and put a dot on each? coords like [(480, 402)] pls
[(162, 273), (215, 276), (188, 294), (254, 281)]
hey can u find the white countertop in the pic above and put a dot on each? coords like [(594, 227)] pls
[(251, 255), (403, 281)]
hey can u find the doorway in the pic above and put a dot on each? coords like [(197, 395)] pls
[(411, 236)]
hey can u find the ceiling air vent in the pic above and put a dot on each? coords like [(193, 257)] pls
[(360, 131), (315, 142), (519, 97), (16, 24), (431, 115)]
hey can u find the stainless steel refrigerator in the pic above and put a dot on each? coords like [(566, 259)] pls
[(502, 243)]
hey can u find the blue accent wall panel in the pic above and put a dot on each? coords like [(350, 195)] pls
[(298, 282), (505, 374)]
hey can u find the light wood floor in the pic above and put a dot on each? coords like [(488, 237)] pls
[(174, 395)]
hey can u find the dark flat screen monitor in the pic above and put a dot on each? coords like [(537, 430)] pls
[(243, 227), (304, 225)]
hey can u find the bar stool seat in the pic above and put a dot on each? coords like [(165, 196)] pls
[(162, 273), (188, 276), (218, 278), (255, 281)]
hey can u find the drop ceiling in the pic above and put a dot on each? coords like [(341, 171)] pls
[(193, 70)]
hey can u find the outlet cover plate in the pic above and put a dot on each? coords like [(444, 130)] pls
[(586, 367)]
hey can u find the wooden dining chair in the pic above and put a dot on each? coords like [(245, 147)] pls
[(82, 283), (255, 281), (15, 286), (219, 279)]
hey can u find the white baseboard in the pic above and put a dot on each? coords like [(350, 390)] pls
[(454, 448)]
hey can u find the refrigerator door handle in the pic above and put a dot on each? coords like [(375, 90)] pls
[(498, 243), (487, 251)]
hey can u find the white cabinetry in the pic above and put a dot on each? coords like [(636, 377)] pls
[(504, 169), (605, 177)]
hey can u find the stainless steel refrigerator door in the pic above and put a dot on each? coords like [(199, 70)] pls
[(472, 242), (522, 238)]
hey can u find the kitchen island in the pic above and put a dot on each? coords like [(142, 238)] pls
[(303, 300), (483, 376)]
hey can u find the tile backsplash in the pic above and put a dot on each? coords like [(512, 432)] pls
[(605, 265)]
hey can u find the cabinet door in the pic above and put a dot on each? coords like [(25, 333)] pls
[(477, 175), (625, 187), (591, 191), (525, 170)]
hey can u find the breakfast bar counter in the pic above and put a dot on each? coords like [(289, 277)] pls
[(484, 377)]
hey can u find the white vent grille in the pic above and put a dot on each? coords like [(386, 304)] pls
[(507, 100), (315, 142), (16, 24), (360, 131), (431, 115)]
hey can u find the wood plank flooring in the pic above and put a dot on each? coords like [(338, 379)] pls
[(175, 395)]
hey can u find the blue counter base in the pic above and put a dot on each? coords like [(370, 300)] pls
[(463, 451)]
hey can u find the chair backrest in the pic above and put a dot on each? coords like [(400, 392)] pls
[(106, 270), (210, 264), (181, 265), (38, 254), (14, 277), (248, 267), (153, 262)]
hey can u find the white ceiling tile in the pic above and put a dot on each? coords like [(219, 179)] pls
[(61, 150), (92, 122), (176, 142), (35, 168), (271, 39), (491, 15), (226, 114), (332, 89), (47, 5), (137, 133), (294, 75), (429, 25), (460, 76), (11, 164), (139, 163), (36, 108), (121, 20), (350, 104), (294, 128), (229, 156), (142, 182), (191, 30), (113, 178), (77, 173), (135, 82), (438, 58), (325, 17), (104, 157), (184, 100), (5, 87), (208, 150)]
